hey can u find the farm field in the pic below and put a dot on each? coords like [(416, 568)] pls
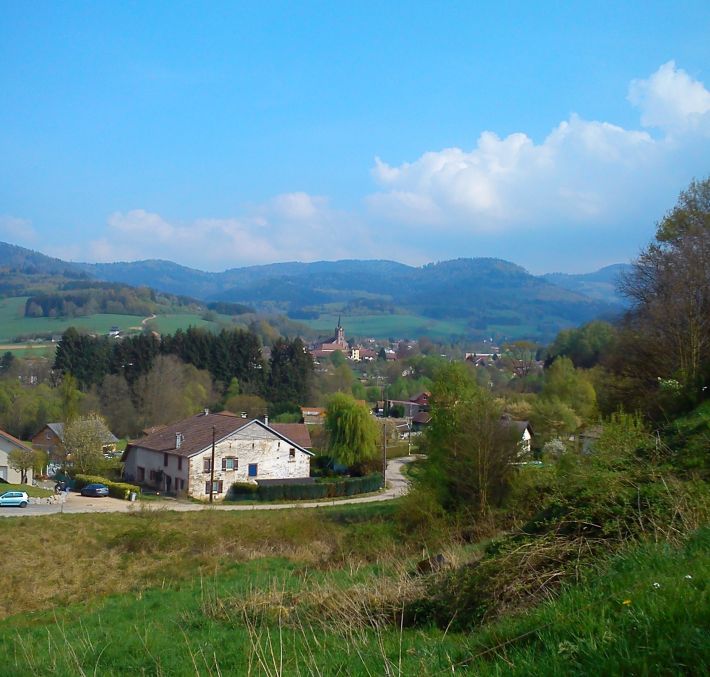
[(384, 326), (14, 324)]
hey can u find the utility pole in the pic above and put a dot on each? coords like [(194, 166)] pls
[(384, 452), (384, 439), (212, 467), (409, 435)]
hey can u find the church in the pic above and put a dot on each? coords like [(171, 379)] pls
[(329, 346)]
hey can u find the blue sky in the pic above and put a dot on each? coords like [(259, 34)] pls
[(217, 134)]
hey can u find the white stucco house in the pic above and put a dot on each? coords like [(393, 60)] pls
[(178, 458), (7, 444)]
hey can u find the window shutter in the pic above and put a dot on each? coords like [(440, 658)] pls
[(224, 464), (207, 487), (219, 487)]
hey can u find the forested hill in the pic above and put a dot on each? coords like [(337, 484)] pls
[(483, 291), (479, 294)]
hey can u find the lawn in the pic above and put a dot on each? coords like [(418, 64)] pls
[(36, 492)]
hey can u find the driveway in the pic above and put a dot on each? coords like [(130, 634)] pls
[(397, 485)]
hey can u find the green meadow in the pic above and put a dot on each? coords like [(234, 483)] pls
[(385, 326), (320, 593)]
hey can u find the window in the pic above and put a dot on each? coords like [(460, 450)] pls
[(216, 487), (206, 465), (179, 462), (253, 469), (229, 463), (141, 474), (292, 454), (165, 460)]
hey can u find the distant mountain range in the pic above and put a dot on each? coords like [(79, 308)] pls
[(485, 293)]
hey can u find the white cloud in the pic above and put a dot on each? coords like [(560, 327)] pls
[(293, 226), (670, 99), (17, 231), (584, 173)]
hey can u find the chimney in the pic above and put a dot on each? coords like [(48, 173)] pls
[(243, 414), (178, 440), (205, 412), (266, 419)]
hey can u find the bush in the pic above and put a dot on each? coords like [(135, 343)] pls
[(327, 488), (116, 489)]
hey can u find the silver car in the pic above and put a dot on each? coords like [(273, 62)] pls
[(18, 499)]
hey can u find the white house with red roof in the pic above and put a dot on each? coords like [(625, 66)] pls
[(177, 458)]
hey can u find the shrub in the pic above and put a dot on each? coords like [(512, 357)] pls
[(328, 488), (116, 489)]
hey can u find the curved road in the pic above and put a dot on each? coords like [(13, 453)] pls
[(397, 485)]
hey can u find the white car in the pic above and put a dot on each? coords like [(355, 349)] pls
[(19, 499)]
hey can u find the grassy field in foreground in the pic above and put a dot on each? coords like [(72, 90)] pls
[(316, 594)]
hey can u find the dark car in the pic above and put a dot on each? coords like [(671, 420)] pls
[(96, 490)]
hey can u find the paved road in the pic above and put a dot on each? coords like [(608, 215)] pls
[(397, 485)]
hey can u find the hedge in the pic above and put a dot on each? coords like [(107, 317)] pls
[(115, 489), (331, 488)]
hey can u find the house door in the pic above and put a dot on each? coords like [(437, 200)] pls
[(3, 472), (168, 483)]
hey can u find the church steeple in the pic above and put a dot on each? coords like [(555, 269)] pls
[(340, 334)]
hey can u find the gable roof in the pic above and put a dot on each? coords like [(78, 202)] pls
[(14, 440), (196, 434), (58, 430), (296, 432)]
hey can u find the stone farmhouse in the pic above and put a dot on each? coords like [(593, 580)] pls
[(9, 443), (177, 458)]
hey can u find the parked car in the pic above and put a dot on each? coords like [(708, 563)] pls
[(18, 499), (97, 490)]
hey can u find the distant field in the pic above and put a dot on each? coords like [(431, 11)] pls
[(384, 326), (13, 323)]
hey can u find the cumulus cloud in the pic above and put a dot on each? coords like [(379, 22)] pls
[(670, 99), (293, 226), (17, 231), (584, 172)]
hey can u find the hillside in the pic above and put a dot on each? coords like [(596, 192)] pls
[(481, 297), (600, 285)]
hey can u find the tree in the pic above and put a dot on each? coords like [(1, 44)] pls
[(290, 372), (352, 432), (252, 405), (470, 451), (172, 390), (571, 386), (84, 439), (669, 288), (22, 460)]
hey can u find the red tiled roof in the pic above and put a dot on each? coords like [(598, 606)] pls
[(196, 433), (296, 432)]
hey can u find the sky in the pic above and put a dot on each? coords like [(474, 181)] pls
[(223, 134)]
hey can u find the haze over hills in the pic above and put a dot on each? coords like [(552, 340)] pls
[(483, 294)]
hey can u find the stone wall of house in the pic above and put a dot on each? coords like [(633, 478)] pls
[(273, 457)]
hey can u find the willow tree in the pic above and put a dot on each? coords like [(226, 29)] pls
[(352, 432)]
